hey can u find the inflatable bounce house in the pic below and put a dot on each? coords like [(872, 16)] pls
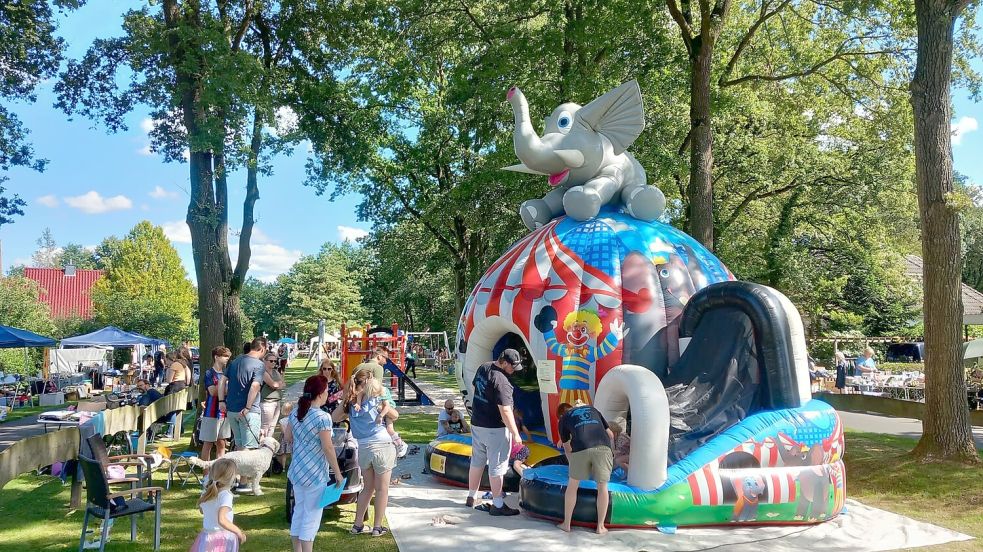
[(611, 307)]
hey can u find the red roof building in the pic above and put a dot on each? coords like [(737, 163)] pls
[(65, 291)]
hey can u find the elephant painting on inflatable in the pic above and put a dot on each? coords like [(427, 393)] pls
[(583, 154)]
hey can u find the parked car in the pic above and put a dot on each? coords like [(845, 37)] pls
[(195, 356), (905, 352)]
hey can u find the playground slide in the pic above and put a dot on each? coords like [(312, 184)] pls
[(421, 396)]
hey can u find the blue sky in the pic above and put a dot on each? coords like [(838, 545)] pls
[(100, 184)]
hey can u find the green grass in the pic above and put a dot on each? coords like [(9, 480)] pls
[(34, 515), (33, 411), (431, 376), (295, 371), (880, 473)]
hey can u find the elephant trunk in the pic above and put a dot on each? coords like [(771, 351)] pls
[(529, 148)]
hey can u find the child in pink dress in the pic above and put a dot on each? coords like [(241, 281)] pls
[(218, 533)]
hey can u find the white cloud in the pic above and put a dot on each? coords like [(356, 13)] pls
[(161, 193), (260, 237), (177, 231), (270, 260), (145, 150), (962, 127), (147, 124), (144, 207), (93, 203), (348, 233), (48, 200)]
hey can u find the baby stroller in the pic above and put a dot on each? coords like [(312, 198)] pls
[(347, 449)]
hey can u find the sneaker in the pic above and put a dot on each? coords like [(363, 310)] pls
[(401, 448), (379, 531), (358, 529), (488, 495), (505, 510), (469, 502)]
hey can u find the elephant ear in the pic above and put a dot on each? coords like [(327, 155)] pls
[(618, 115)]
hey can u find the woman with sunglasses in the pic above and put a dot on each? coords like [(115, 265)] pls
[(329, 370), (270, 395)]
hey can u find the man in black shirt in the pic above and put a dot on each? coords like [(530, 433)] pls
[(587, 442), (493, 429)]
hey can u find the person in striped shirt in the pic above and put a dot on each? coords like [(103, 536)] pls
[(214, 428), (313, 453)]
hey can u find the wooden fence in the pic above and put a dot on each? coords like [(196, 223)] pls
[(62, 445)]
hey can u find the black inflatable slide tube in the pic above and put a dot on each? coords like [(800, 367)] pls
[(772, 333)]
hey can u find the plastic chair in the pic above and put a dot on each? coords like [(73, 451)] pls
[(106, 505), (179, 461)]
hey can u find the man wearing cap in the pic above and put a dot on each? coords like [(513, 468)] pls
[(493, 429)]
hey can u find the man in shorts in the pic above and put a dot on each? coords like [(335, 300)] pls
[(241, 398), (493, 429), (587, 441), (214, 428)]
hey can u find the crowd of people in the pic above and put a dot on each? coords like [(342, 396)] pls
[(244, 400)]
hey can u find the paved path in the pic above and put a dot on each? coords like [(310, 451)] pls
[(11, 432), (902, 427)]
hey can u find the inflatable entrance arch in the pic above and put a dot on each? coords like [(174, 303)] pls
[(630, 387)]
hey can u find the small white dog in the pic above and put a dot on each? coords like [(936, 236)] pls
[(251, 464)]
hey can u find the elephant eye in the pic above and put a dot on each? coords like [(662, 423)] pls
[(564, 121), (664, 273)]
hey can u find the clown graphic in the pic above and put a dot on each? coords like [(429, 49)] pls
[(580, 351)]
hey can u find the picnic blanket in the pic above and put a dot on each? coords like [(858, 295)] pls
[(426, 516)]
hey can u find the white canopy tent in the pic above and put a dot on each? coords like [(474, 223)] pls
[(67, 361)]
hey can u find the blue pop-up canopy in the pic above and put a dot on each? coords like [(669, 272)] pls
[(110, 336), (15, 337)]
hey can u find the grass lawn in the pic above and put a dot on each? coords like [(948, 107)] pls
[(879, 473), (33, 411), (34, 515), (296, 372), (431, 376)]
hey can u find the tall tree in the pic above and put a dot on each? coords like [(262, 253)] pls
[(418, 118), (321, 287), (211, 74), (29, 53), (77, 256), (798, 41), (946, 431), (21, 307), (146, 288), (971, 222), (46, 255)]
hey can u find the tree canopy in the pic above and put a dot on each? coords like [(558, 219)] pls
[(145, 288)]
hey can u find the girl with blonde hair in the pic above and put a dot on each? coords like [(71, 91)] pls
[(365, 409), (218, 533)]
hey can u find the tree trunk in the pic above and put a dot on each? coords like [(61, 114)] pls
[(947, 434), (207, 258), (233, 311), (700, 188)]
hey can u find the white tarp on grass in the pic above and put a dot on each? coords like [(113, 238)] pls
[(415, 503)]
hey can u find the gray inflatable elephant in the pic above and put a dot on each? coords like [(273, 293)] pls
[(583, 154)]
